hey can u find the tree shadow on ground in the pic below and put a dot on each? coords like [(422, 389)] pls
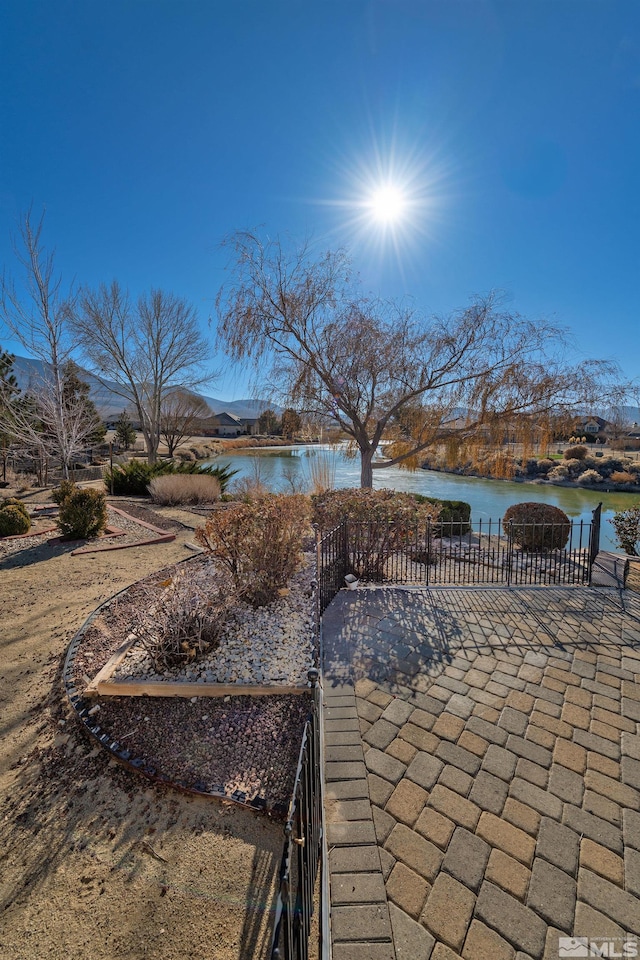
[(75, 826)]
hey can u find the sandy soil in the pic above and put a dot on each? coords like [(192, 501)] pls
[(95, 862)]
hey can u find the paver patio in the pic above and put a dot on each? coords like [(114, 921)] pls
[(483, 771)]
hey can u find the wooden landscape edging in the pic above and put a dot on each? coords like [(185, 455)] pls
[(103, 686), (170, 688)]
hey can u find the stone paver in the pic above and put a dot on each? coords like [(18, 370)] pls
[(496, 805)]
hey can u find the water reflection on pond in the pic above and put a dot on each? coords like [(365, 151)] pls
[(289, 468)]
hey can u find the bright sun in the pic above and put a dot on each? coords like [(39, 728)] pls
[(388, 204)]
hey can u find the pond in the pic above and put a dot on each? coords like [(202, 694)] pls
[(287, 468)]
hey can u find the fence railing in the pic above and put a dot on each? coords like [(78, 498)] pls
[(438, 553), (332, 563), (303, 839)]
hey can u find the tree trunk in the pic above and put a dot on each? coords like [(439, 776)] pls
[(366, 470)]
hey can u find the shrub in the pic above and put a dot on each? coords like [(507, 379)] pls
[(381, 522), (537, 526), (13, 520), (259, 543), (332, 506), (544, 465), (622, 476), (454, 517), (578, 452), (627, 526), (559, 472), (574, 467), (66, 488), (185, 622), (172, 489), (132, 479), (83, 514), (590, 476), (14, 502)]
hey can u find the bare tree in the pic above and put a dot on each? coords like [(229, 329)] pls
[(180, 412), (146, 350), (37, 313), (379, 369)]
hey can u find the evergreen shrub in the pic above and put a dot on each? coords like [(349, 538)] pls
[(537, 526), (83, 514), (13, 520)]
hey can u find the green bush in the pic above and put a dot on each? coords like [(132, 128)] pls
[(14, 502), (537, 526), (258, 543), (83, 514), (454, 517), (60, 494), (132, 479), (13, 520)]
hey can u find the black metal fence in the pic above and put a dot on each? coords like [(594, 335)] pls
[(332, 563), (303, 839), (440, 553)]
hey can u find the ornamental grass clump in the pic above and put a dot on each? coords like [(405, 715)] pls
[(186, 621), (537, 526), (258, 542), (177, 489)]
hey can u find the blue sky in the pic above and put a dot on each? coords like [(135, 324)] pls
[(150, 129)]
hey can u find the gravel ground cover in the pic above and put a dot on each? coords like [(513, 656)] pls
[(238, 745), (132, 533)]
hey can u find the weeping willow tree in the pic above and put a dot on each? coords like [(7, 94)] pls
[(381, 370)]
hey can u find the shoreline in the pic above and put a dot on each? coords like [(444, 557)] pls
[(603, 487)]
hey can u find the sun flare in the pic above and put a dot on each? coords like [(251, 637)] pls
[(388, 204)]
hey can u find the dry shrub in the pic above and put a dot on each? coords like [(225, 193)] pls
[(545, 465), (589, 476), (381, 522), (322, 470), (627, 526), (186, 620), (259, 543), (623, 476), (537, 526), (184, 488), (578, 452), (559, 472)]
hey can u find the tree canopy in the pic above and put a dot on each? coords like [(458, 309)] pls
[(145, 349), (380, 369)]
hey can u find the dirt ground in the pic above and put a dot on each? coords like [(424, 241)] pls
[(95, 862)]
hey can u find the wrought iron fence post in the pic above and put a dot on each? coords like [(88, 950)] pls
[(428, 563), (594, 537), (509, 551)]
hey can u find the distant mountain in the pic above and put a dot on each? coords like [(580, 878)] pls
[(110, 404)]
